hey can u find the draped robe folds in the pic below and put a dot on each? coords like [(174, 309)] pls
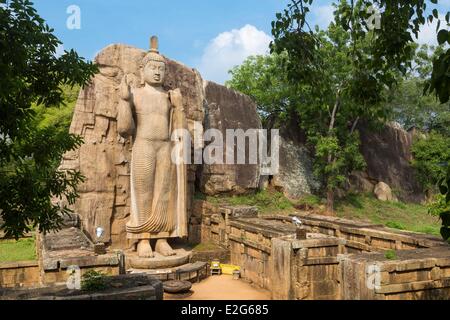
[(166, 215)]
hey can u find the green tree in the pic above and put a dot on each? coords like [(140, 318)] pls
[(411, 108), (430, 154), (264, 80), (344, 80), (439, 84), (29, 156), (59, 117)]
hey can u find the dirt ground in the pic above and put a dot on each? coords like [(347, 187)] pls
[(222, 288)]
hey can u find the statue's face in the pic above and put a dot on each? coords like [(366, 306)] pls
[(154, 72)]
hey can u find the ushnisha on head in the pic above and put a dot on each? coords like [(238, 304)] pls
[(153, 66)]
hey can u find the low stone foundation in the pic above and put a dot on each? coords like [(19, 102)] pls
[(339, 259), (19, 274), (123, 287)]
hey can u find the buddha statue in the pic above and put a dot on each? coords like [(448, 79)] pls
[(149, 115)]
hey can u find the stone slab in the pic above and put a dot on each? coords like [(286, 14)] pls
[(159, 261)]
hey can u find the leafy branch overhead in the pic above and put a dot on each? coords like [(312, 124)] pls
[(33, 75), (348, 68)]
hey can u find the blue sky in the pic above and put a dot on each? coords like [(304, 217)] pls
[(211, 36)]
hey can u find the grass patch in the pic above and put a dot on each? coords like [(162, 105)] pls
[(21, 250), (397, 215), (309, 201), (267, 201)]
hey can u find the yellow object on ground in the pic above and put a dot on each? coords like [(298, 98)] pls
[(229, 268), (215, 267)]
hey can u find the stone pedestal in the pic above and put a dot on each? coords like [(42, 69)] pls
[(158, 261)]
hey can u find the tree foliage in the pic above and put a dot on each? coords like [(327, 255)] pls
[(431, 153), (344, 71), (410, 107), (264, 79), (32, 74)]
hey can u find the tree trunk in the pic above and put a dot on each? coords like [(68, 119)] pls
[(330, 202), (330, 158)]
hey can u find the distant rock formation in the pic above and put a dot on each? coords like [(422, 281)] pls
[(387, 153)]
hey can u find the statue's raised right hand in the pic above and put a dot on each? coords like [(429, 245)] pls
[(125, 91)]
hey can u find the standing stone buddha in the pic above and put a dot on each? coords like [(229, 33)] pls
[(149, 115)]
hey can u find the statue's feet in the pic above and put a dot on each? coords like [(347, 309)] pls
[(162, 247), (144, 249)]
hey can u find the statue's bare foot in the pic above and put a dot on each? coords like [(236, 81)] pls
[(144, 249), (164, 248)]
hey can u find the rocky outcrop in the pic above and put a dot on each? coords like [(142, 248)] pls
[(227, 109), (295, 177), (388, 154)]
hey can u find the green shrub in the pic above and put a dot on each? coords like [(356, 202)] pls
[(395, 225), (390, 255), (430, 155), (93, 281)]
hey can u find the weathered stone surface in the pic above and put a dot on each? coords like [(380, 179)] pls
[(240, 211), (121, 287), (295, 177), (360, 181), (66, 239), (158, 261), (383, 192), (228, 109), (176, 286), (388, 154)]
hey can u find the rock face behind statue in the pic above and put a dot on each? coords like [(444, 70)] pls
[(104, 158), (228, 109)]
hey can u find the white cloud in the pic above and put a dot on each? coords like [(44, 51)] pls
[(231, 48)]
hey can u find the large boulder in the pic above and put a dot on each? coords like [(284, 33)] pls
[(388, 154), (383, 192), (227, 109)]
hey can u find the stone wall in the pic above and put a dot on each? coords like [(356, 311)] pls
[(19, 274), (331, 261), (413, 275)]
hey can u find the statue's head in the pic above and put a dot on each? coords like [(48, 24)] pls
[(153, 65)]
